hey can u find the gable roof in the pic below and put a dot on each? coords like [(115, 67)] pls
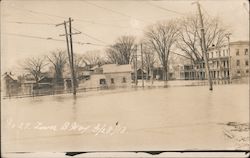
[(114, 68), (10, 75)]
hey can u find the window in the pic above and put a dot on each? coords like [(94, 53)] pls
[(224, 52), (237, 52), (123, 80), (102, 81), (247, 71), (112, 81), (238, 62), (212, 54), (246, 51), (238, 71), (246, 62)]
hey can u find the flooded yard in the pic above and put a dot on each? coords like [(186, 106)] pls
[(173, 118)]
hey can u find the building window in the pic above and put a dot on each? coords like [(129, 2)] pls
[(123, 80), (246, 51), (212, 54), (102, 81), (238, 63), (237, 52), (112, 81), (246, 62), (224, 52), (238, 71), (247, 71)]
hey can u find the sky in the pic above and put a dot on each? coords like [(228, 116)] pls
[(26, 25)]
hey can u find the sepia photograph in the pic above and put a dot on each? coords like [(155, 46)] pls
[(124, 78)]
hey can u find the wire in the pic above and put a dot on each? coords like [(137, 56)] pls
[(49, 38), (89, 35), (81, 20), (32, 23), (114, 11), (168, 10), (37, 12)]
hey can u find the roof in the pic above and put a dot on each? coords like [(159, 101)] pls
[(114, 68), (10, 75), (240, 42), (29, 82)]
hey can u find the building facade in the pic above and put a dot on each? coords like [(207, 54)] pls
[(239, 52), (109, 76), (225, 62)]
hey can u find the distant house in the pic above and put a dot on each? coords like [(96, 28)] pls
[(139, 74), (10, 84), (45, 82), (117, 75), (27, 86), (109, 76)]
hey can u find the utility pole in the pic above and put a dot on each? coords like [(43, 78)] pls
[(203, 46), (70, 52), (142, 66), (135, 65), (72, 58), (229, 58)]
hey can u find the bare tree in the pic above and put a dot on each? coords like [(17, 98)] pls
[(189, 40), (161, 37), (79, 62), (92, 57), (34, 66), (149, 59), (122, 50), (58, 59)]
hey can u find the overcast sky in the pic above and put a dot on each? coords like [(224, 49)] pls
[(100, 22)]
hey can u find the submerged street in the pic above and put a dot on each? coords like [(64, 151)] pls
[(174, 118)]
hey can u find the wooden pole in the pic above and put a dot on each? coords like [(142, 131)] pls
[(204, 51), (142, 66), (72, 58), (69, 54)]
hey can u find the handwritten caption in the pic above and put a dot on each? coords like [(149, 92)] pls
[(96, 129)]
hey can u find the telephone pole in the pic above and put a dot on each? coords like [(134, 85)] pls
[(229, 58), (70, 51), (135, 65), (142, 67), (203, 46)]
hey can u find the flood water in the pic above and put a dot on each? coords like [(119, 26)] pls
[(174, 118)]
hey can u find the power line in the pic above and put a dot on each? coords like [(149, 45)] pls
[(168, 10), (49, 38), (37, 12), (81, 20), (114, 11), (32, 23), (89, 35)]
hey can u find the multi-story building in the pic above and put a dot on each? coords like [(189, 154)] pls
[(239, 52), (225, 62), (219, 62)]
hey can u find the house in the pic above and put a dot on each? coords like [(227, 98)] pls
[(45, 82), (10, 84), (109, 76), (117, 75), (139, 74)]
